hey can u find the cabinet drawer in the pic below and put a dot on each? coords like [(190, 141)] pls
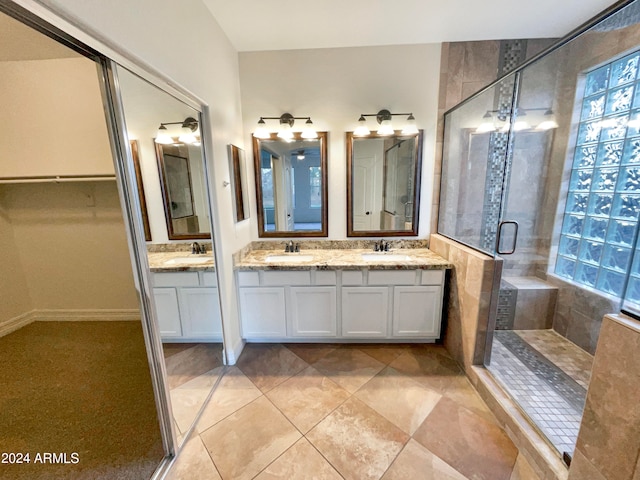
[(287, 277), (432, 277), (392, 277), (248, 279), (181, 279), (352, 277), (209, 279), (327, 277)]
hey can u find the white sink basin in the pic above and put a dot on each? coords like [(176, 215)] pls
[(189, 260), (289, 258), (385, 257)]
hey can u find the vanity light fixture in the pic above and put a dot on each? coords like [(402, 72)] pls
[(383, 117), (300, 154), (285, 131), (188, 132)]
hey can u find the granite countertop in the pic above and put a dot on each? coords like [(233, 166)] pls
[(180, 262), (343, 259)]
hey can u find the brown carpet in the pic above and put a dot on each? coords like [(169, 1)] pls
[(78, 387)]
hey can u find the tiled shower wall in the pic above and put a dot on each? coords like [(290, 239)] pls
[(469, 66)]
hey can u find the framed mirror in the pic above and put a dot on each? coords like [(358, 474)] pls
[(291, 186), (383, 184), (143, 201), (238, 168), (183, 191)]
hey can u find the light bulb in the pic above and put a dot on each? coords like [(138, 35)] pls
[(261, 130), (385, 129), (163, 137)]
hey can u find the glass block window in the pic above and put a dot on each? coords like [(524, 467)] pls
[(603, 203)]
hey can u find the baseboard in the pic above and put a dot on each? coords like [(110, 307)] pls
[(232, 354), (16, 323), (73, 315)]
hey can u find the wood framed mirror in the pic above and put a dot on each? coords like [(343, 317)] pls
[(143, 201), (291, 186), (238, 168), (383, 184), (183, 191)]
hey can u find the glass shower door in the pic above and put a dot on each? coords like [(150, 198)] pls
[(474, 157)]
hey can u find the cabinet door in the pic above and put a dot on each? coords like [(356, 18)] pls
[(200, 313), (313, 311), (365, 311), (417, 311), (262, 312), (166, 301)]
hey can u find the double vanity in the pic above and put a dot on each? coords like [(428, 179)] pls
[(332, 294), (324, 293)]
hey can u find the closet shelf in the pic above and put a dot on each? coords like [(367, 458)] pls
[(57, 178)]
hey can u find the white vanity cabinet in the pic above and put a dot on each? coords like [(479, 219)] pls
[(282, 304), (187, 306), (340, 304)]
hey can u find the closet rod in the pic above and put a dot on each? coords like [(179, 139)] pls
[(58, 178)]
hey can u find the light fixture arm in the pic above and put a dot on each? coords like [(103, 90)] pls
[(383, 115), (286, 119), (189, 122)]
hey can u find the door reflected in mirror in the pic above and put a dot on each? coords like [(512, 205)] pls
[(383, 184), (183, 191), (291, 186)]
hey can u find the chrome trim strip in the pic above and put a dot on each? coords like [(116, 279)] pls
[(127, 188)]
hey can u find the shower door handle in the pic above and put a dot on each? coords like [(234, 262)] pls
[(499, 239)]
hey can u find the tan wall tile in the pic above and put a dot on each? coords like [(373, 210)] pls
[(609, 435)]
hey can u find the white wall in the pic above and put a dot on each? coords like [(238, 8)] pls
[(334, 86), (67, 105), (183, 41)]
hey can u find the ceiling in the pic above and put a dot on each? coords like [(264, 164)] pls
[(293, 24)]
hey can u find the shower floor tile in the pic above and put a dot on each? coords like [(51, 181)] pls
[(567, 356), (543, 377)]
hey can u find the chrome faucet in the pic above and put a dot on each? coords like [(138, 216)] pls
[(291, 247), (381, 246), (196, 249)]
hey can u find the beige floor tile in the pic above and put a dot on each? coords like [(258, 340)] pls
[(186, 364), (188, 398), (464, 394), (268, 365), (244, 443), (311, 352), (300, 462), (357, 441), (348, 367), (194, 462), (429, 367), (416, 462), (522, 470), (307, 398), (234, 391), (385, 353), (473, 446), (399, 399)]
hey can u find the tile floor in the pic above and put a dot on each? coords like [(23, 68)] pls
[(301, 411), (192, 370), (547, 376)]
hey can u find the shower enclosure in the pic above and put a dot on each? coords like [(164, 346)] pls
[(541, 170)]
